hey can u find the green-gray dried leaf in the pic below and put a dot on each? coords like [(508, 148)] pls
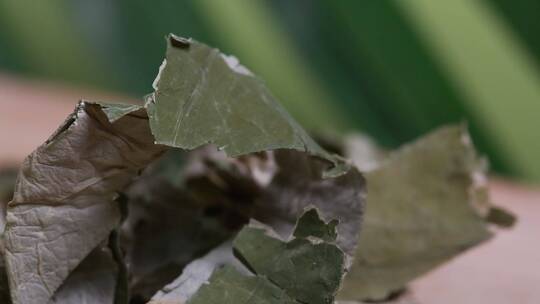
[(305, 269), (204, 96), (427, 203), (308, 268)]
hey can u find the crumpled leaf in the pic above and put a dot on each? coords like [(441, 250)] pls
[(306, 269), (427, 203), (64, 205)]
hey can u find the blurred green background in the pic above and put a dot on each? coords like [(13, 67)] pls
[(392, 69)]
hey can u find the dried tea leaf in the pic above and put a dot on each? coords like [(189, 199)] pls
[(427, 203), (63, 205), (202, 96), (308, 268), (305, 269)]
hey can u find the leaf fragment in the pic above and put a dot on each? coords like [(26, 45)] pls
[(427, 203), (308, 268), (201, 98), (304, 269)]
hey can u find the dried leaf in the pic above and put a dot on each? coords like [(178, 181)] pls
[(204, 96), (63, 205), (427, 203), (305, 269), (308, 268)]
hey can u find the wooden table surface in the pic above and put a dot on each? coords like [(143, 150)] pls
[(505, 269)]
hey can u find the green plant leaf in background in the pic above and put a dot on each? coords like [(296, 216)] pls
[(493, 70), (41, 38), (393, 69)]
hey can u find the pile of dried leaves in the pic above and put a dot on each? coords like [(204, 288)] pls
[(211, 193)]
